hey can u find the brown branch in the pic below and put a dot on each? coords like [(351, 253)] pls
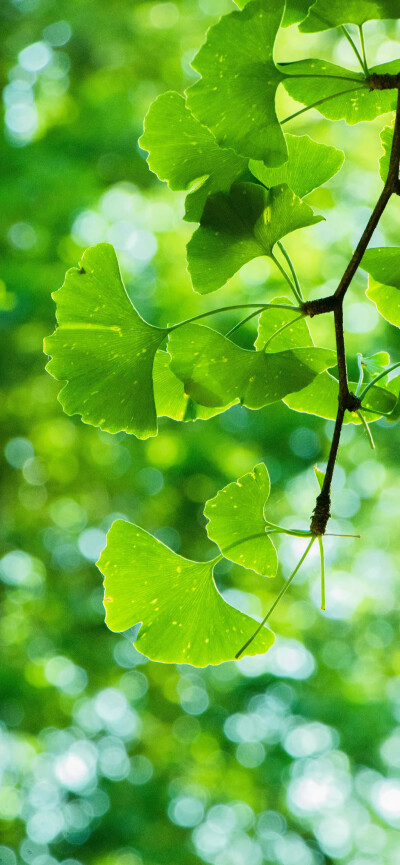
[(347, 401)]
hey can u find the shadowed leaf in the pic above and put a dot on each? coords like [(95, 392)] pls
[(309, 165), (332, 13)]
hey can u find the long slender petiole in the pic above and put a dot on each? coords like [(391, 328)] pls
[(335, 77), (243, 321), (360, 373), (377, 377), (321, 553), (367, 430), (277, 599), (287, 277), (292, 270), (259, 307), (355, 49), (364, 55), (320, 102)]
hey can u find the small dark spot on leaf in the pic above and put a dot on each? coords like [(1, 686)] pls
[(82, 270)]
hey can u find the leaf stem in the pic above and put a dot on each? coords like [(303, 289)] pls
[(277, 599), (292, 270), (367, 430), (355, 49), (243, 321), (377, 377), (360, 373), (287, 277), (317, 75), (321, 553), (259, 308), (320, 102), (362, 42)]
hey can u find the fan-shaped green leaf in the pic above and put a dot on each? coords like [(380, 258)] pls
[(295, 10), (170, 397), (321, 398), (383, 264), (239, 226), (309, 165), (375, 363), (235, 96), (332, 13), (216, 372), (387, 301), (103, 348), (184, 618), (386, 139), (340, 93), (182, 151), (237, 525)]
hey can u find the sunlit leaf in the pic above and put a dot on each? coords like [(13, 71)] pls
[(182, 151), (309, 165), (321, 398), (375, 363), (295, 10), (271, 321), (383, 264), (239, 226), (310, 81), (103, 348), (184, 618), (386, 139), (332, 13), (235, 96), (216, 372), (170, 397), (237, 525)]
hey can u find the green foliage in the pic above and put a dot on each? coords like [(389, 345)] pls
[(235, 96), (185, 619), (337, 93), (103, 348), (237, 523), (309, 165), (383, 264), (186, 154), (245, 180), (216, 372), (241, 225), (332, 13)]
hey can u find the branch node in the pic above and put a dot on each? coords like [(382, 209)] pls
[(384, 82), (321, 514), (352, 402)]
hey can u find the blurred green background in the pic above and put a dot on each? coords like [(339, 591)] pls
[(105, 758)]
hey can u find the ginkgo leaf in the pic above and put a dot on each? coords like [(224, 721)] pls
[(309, 165), (387, 301), (338, 93), (235, 96), (170, 397), (321, 398), (386, 140), (216, 372), (375, 363), (237, 525), (383, 264), (271, 321), (295, 10), (182, 151), (103, 348), (332, 13), (239, 226), (184, 618)]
